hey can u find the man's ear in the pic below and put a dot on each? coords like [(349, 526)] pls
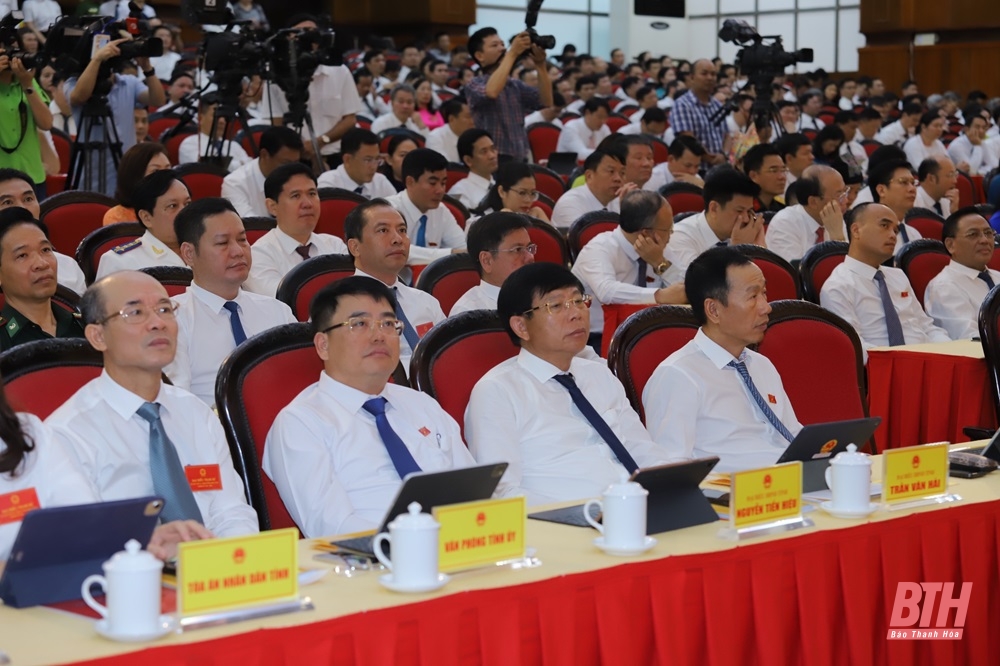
[(188, 252), (519, 325), (321, 342), (95, 336), (712, 310)]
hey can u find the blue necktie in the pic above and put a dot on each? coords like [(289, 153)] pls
[(422, 231), (402, 460), (937, 207), (640, 279), (892, 324), (985, 277), (902, 232), (239, 335), (771, 417), (359, 189), (169, 481), (599, 424), (410, 333)]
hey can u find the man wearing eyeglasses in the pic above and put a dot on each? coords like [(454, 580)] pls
[(338, 452), (134, 435), (954, 296), (818, 217), (499, 244), (359, 171), (562, 422)]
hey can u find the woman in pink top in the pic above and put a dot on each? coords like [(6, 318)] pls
[(425, 104)]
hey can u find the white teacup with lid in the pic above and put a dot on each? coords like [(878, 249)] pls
[(413, 537), (131, 582), (849, 477), (623, 509)]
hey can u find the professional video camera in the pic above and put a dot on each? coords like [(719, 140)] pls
[(10, 41), (73, 40), (544, 42)]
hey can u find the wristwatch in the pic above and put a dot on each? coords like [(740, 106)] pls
[(324, 139), (148, 72), (661, 268)]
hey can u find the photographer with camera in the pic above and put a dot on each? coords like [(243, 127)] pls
[(23, 112), (500, 102)]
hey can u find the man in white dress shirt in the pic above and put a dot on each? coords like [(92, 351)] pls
[(431, 227), (894, 184), (811, 103), (728, 218), (767, 170), (585, 88), (583, 135), (206, 143), (293, 200), (714, 396), (215, 314), (561, 422), (499, 244), (818, 217), (245, 186), (954, 296), (476, 151), (633, 263), (684, 156), (938, 189), (876, 300), (403, 100), (796, 150), (359, 171), (653, 123), (969, 147), (338, 451), (604, 174), (134, 435), (377, 239), (157, 199), (457, 119), (896, 133)]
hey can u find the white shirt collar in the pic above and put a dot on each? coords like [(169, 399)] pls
[(719, 357), (287, 243), (215, 302), (860, 268), (347, 177), (625, 245), (350, 398), (155, 244), (965, 271), (358, 271), (411, 211), (479, 180), (538, 368), (594, 201), (124, 402)]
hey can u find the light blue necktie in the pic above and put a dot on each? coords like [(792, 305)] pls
[(410, 333), (169, 481), (422, 231), (771, 417), (239, 335), (892, 324), (401, 457)]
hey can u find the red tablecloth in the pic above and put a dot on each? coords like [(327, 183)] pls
[(925, 397), (812, 600)]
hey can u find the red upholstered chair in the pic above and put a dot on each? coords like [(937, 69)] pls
[(587, 226), (456, 172), (783, 280), (546, 203), (161, 122), (243, 137), (257, 227), (614, 315), (966, 191), (385, 136), (660, 151), (335, 203), (63, 144), (543, 137), (870, 146), (256, 382), (301, 283), (72, 215), (626, 109), (447, 278), (551, 244), (548, 182), (643, 341), (819, 358), (817, 264), (457, 209), (979, 187), (922, 260), (101, 240), (40, 376), (926, 221), (175, 279), (173, 144), (615, 122), (810, 134), (684, 197), (203, 179), (455, 354)]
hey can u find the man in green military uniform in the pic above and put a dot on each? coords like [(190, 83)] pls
[(28, 272)]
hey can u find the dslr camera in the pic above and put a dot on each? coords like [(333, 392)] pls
[(10, 42), (544, 42)]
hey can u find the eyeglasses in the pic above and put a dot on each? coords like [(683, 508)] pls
[(988, 234), (527, 194), (844, 194), (519, 251), (776, 170), (906, 182), (368, 161), (358, 325), (139, 314), (556, 308)]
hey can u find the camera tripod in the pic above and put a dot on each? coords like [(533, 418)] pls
[(93, 155)]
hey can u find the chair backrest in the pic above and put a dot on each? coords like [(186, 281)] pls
[(552, 246), (546, 203), (203, 179), (64, 145), (543, 137), (926, 221), (447, 278), (548, 182), (456, 172), (72, 215), (587, 226), (243, 137), (160, 123), (817, 264), (643, 341), (966, 191), (40, 376), (173, 144), (335, 203), (616, 122), (101, 240), (64, 297), (660, 151), (455, 354), (385, 136), (684, 197), (819, 358), (783, 281), (922, 260), (457, 209), (175, 279), (300, 284), (256, 382), (870, 146), (257, 227)]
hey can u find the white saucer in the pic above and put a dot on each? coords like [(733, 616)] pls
[(168, 623), (647, 543), (389, 582), (839, 513)]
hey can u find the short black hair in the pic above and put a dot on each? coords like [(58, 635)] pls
[(882, 175), (913, 109), (452, 107), (490, 230), (15, 216), (361, 73), (189, 225), (639, 209), (753, 159), (928, 117), (928, 167), (853, 215), (582, 81), (868, 113), (273, 139), (420, 161), (790, 144), (354, 223), (844, 117), (151, 188), (685, 142), (654, 115), (466, 144), (274, 183), (299, 18), (883, 154), (950, 228), (476, 40), (324, 303), (396, 141), (356, 137), (7, 173), (721, 185), (594, 159), (593, 104), (525, 284), (708, 277), (371, 55)]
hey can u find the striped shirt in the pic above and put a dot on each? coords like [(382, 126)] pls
[(503, 117), (690, 115)]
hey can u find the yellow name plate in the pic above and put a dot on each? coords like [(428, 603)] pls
[(479, 533), (760, 496), (224, 574), (914, 472)]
